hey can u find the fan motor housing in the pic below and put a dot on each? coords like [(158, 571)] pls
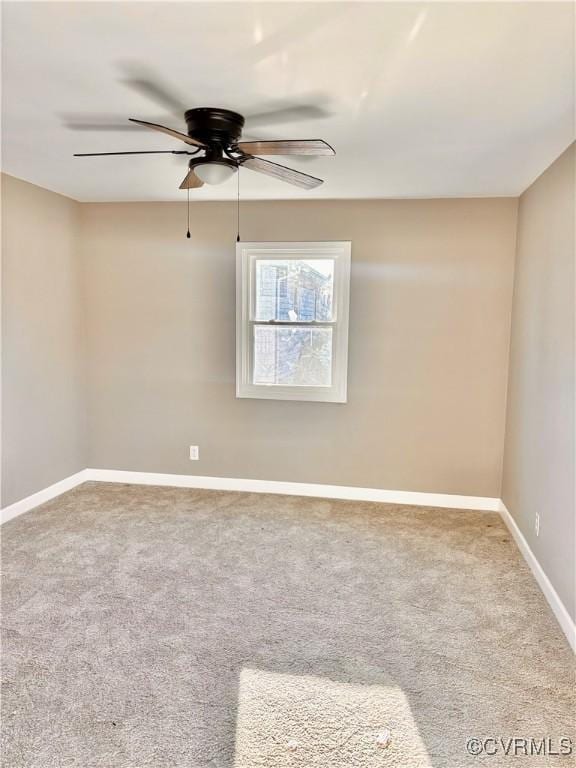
[(214, 125)]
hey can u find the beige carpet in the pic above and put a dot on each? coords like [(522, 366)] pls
[(158, 628)]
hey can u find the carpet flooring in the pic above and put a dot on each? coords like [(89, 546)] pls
[(163, 628)]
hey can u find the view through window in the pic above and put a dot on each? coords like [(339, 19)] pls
[(293, 320), (293, 291)]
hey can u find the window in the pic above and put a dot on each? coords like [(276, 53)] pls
[(292, 320)]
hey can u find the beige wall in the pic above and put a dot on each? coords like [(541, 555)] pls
[(116, 292), (430, 315), (539, 455), (42, 406)]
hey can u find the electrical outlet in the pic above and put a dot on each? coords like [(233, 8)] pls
[(194, 453), (537, 524)]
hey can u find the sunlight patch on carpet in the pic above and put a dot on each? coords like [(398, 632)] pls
[(301, 721)]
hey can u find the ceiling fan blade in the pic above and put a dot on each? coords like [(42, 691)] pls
[(170, 131), (287, 147), (78, 121), (291, 114), (145, 82), (191, 181), (281, 172), (144, 152), (100, 127), (157, 93)]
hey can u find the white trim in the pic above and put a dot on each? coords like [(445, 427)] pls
[(351, 493), (46, 494), (558, 608)]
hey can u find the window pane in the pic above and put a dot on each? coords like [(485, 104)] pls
[(293, 356), (294, 289)]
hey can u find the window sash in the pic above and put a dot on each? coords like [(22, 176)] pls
[(293, 323), (292, 256), (307, 387)]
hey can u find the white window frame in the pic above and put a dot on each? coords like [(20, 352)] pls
[(246, 256)]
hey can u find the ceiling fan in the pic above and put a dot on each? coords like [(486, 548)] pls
[(215, 136)]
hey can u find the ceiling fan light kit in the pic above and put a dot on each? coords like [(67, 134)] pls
[(215, 171)]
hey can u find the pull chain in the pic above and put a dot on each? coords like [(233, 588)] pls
[(188, 210), (238, 208)]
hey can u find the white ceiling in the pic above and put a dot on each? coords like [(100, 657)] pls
[(424, 99)]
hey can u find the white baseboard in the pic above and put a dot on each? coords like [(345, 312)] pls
[(557, 606), (46, 494), (351, 493)]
